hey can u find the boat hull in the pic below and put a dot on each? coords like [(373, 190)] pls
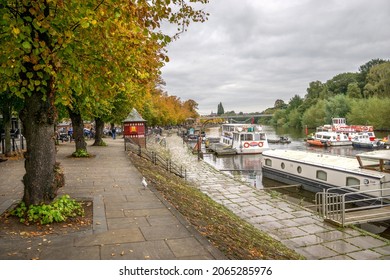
[(316, 172)]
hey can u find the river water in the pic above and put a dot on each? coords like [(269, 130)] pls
[(248, 168)]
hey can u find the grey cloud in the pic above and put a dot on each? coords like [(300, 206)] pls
[(251, 53)]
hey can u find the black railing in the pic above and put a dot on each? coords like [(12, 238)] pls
[(17, 144), (156, 159)]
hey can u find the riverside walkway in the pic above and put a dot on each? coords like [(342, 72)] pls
[(296, 227), (130, 222)]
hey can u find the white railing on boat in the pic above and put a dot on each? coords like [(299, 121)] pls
[(354, 207)]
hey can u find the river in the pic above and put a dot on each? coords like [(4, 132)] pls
[(248, 168)]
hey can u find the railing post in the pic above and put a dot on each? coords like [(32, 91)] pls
[(324, 198), (343, 210), (22, 142)]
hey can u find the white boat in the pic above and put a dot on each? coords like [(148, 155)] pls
[(241, 139), (368, 172), (363, 140), (339, 125), (329, 138)]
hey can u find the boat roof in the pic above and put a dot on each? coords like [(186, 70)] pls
[(377, 155), (311, 157), (324, 160)]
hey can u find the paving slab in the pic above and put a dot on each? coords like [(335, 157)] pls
[(298, 227), (129, 221)]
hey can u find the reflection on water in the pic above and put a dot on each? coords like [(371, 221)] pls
[(248, 168)]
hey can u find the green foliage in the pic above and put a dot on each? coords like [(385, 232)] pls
[(220, 110), (354, 91), (337, 107), (58, 211), (374, 111), (339, 83), (81, 153), (315, 115), (361, 97), (378, 81)]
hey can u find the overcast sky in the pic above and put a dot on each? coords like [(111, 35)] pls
[(253, 52)]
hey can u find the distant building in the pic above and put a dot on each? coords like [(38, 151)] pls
[(134, 129)]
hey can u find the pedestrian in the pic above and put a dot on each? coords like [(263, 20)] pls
[(70, 134), (113, 132)]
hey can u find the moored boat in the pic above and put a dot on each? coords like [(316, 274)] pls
[(329, 138), (339, 125), (369, 171), (281, 140), (240, 139), (364, 141)]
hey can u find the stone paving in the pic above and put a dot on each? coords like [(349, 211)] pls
[(297, 227), (130, 222), (133, 223)]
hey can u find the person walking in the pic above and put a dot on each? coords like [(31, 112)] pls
[(113, 132)]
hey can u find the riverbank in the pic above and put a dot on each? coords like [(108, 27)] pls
[(294, 226), (233, 236)]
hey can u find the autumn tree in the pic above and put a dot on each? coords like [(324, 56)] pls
[(40, 42)]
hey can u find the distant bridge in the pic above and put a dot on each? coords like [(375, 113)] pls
[(235, 116)]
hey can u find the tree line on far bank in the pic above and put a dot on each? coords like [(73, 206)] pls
[(362, 98)]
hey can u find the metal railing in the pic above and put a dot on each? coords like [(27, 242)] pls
[(353, 206), (17, 144), (156, 159)]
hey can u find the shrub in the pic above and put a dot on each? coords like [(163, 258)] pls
[(58, 211)]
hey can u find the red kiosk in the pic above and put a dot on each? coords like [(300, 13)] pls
[(134, 129)]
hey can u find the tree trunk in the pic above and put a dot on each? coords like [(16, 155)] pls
[(7, 116), (78, 130), (99, 132), (43, 177)]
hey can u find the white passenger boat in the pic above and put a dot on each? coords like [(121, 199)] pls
[(329, 138), (241, 139), (315, 172), (339, 125)]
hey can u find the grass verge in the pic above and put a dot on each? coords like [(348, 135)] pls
[(233, 236)]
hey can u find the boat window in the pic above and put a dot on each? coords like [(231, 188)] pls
[(268, 162), (257, 137), (283, 165), (352, 181), (262, 136), (299, 169), (249, 137), (322, 175)]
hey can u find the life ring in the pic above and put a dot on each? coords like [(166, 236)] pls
[(365, 128), (246, 145), (260, 144)]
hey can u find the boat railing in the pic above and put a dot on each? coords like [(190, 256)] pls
[(353, 207)]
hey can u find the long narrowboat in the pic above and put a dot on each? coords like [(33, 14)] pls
[(368, 172)]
